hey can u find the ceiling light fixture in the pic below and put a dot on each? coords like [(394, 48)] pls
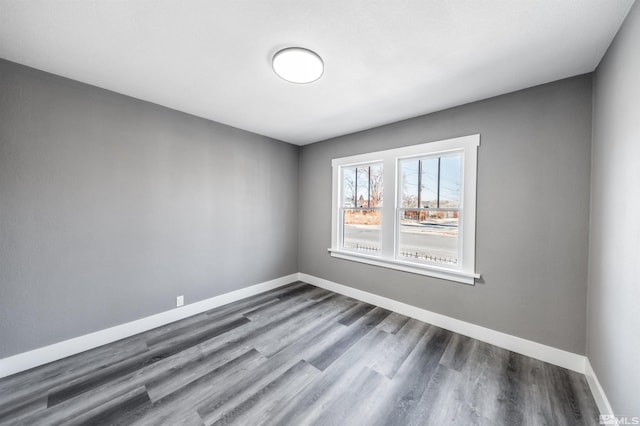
[(298, 65)]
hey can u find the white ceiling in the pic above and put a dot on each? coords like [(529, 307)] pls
[(384, 60)]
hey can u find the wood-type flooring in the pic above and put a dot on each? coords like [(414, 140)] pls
[(297, 355)]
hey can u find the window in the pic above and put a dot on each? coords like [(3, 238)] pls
[(429, 208), (427, 223), (361, 210)]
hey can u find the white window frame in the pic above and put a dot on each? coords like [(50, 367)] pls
[(464, 271)]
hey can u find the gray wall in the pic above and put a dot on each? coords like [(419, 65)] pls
[(110, 207), (532, 213), (614, 258)]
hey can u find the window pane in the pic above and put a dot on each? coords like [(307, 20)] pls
[(409, 182), (450, 176), (362, 187), (376, 185), (427, 235), (429, 196), (348, 186), (362, 230)]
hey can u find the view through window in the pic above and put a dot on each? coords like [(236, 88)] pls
[(429, 212), (362, 207), (410, 208)]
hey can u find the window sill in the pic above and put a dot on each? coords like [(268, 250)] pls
[(431, 271)]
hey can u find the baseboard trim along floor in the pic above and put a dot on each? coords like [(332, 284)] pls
[(298, 355), (555, 356), (596, 390), (34, 358), (535, 350)]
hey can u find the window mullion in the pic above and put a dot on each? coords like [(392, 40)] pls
[(388, 207), (369, 187), (355, 190), (419, 183), (439, 158)]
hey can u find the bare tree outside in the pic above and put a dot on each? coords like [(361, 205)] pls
[(362, 202), (428, 213)]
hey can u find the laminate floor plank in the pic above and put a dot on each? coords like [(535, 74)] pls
[(291, 304), (318, 293), (564, 400), (297, 355), (217, 407), (355, 313), (116, 386), (22, 410), (414, 376), (439, 403), (247, 336), (205, 321), (481, 378), (251, 302), (132, 364), (289, 313), (112, 411), (255, 300), (322, 337), (513, 384), (236, 308), (393, 323), (264, 403), (94, 398), (256, 311), (397, 348), (357, 330), (27, 387), (310, 320), (82, 362), (308, 405), (197, 334), (291, 331), (338, 409), (170, 409), (294, 292), (585, 405), (324, 334), (178, 376), (457, 353)]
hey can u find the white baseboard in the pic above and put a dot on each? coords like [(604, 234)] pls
[(26, 360), (597, 391), (575, 362), (535, 350)]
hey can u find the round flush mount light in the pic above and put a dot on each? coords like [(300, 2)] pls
[(298, 65)]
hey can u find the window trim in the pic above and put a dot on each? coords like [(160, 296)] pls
[(465, 271)]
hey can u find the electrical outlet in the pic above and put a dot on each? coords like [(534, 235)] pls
[(179, 301)]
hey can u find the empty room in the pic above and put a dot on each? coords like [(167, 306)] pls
[(320, 212)]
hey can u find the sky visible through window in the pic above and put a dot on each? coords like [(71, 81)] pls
[(450, 177), (363, 185)]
